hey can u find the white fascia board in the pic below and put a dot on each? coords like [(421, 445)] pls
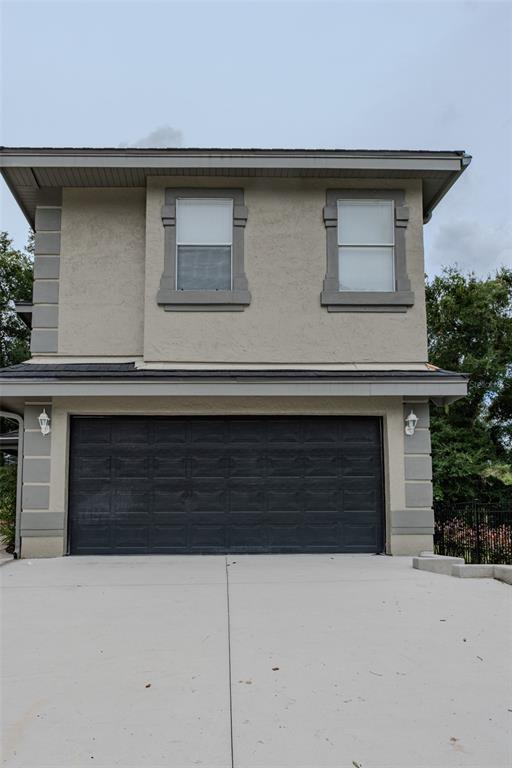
[(231, 389), (447, 163)]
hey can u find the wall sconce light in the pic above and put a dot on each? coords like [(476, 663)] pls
[(44, 422), (410, 424)]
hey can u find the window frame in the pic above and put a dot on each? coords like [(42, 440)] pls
[(226, 245), (172, 299), (336, 300)]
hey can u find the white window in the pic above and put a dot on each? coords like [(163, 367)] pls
[(204, 241), (366, 245)]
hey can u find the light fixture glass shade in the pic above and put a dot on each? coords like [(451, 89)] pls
[(410, 424), (44, 422)]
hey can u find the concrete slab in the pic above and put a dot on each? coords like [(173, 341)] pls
[(503, 573), (345, 660), (115, 662), (436, 563), (336, 660), (473, 571)]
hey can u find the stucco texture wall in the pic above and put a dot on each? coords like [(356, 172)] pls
[(285, 262), (101, 301)]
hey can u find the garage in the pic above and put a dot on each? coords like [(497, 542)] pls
[(209, 485)]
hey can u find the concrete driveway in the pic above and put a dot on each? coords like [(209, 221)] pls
[(245, 661)]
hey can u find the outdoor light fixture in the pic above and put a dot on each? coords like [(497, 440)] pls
[(410, 424), (44, 422)]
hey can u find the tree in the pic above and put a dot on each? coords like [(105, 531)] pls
[(16, 275), (470, 330)]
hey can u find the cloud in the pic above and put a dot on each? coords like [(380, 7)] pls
[(160, 138), (474, 245)]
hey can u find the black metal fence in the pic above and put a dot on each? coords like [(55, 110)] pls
[(480, 533)]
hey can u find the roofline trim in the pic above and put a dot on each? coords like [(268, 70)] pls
[(23, 157)]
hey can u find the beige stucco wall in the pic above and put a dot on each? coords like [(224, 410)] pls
[(112, 254), (390, 408), (101, 292), (285, 257)]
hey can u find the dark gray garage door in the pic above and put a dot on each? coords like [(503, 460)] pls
[(226, 484)]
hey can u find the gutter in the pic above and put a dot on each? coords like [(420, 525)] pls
[(19, 477)]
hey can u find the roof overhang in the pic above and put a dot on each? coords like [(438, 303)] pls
[(126, 380), (27, 170)]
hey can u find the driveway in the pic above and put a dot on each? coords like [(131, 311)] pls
[(253, 661)]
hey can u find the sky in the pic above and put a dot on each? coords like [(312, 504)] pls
[(349, 75)]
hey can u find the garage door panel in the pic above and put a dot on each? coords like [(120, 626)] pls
[(285, 536), (131, 536), (168, 538), (170, 498), (131, 467), (208, 536), (359, 536), (211, 431), (285, 463), (322, 463), (284, 430), (284, 500), (209, 463), (91, 503), (170, 431), (247, 538), (130, 502), (169, 466), (322, 535), (225, 484), (247, 431), (208, 497), (321, 500), (95, 538), (357, 465), (361, 430), (134, 433), (246, 498), (247, 463), (93, 431), (324, 431), (93, 467)]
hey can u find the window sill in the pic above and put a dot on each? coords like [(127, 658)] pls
[(204, 301), (367, 301)]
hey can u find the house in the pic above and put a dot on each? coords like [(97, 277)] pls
[(229, 350)]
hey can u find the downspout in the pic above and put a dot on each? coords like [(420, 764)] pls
[(19, 477)]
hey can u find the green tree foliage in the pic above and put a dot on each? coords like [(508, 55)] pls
[(15, 285), (470, 331), (7, 506)]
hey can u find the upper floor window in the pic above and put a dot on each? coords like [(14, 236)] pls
[(366, 259), (366, 245), (204, 250), (204, 238)]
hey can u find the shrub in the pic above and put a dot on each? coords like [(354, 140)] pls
[(8, 474)]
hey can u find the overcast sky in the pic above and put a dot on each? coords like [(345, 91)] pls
[(408, 75)]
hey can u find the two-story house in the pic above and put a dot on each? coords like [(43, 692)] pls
[(229, 350)]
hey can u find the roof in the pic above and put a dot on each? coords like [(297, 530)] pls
[(126, 379), (129, 372), (28, 169)]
